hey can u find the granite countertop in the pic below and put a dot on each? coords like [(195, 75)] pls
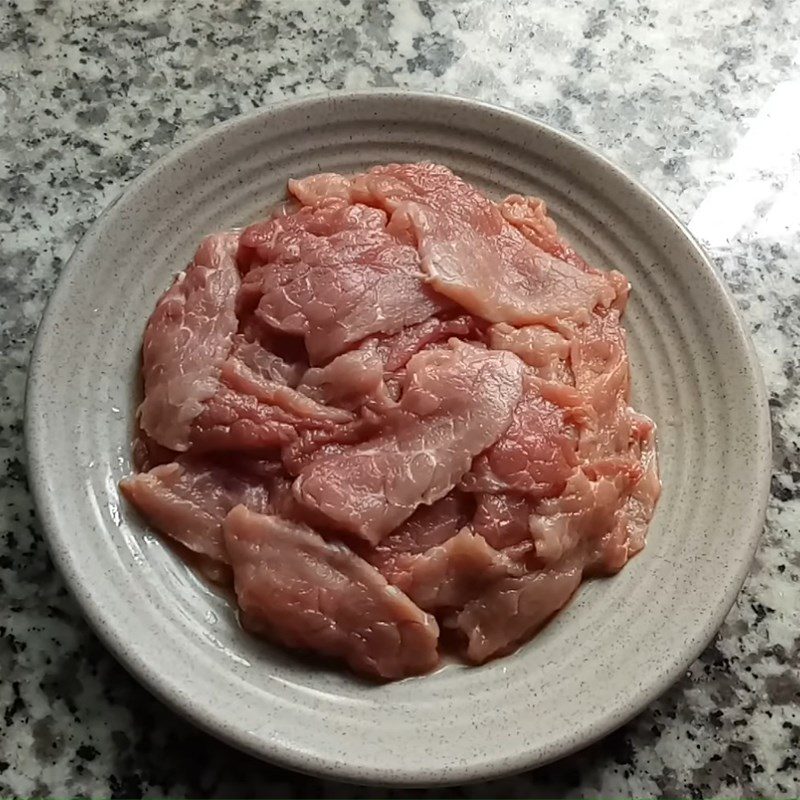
[(703, 107)]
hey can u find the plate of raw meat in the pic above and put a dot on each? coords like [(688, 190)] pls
[(408, 440)]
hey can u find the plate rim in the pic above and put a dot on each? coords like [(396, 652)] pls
[(57, 536)]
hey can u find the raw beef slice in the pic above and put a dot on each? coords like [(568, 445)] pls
[(513, 609), (187, 338), (536, 455), (427, 527), (315, 595), (462, 238), (451, 574), (254, 408), (188, 500), (456, 403), (334, 275)]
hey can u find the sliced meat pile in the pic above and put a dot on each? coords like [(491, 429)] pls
[(394, 411)]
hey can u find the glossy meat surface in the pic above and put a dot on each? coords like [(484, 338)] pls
[(394, 406)]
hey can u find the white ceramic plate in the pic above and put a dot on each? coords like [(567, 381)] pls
[(621, 641)]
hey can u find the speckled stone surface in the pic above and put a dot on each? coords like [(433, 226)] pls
[(701, 106)]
